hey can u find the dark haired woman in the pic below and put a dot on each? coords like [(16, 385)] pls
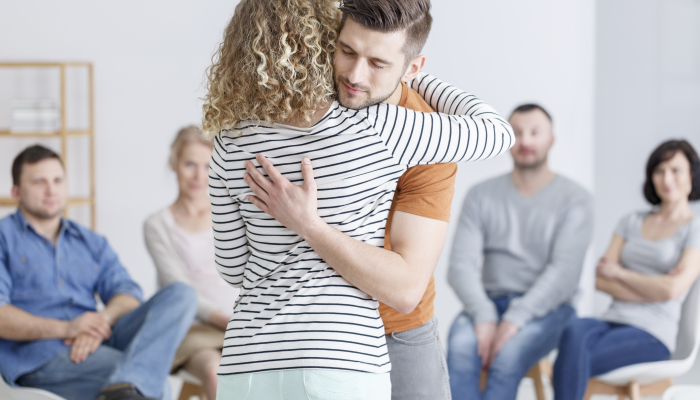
[(652, 262)]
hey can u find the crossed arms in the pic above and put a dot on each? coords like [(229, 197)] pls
[(627, 285)]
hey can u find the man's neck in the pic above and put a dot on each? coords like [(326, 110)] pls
[(48, 228), (529, 181), (395, 97)]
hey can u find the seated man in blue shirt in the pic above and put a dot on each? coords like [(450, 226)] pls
[(51, 335)]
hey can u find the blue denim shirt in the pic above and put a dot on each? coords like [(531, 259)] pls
[(53, 282)]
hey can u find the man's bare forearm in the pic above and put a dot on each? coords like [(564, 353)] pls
[(17, 324), (118, 306), (381, 273)]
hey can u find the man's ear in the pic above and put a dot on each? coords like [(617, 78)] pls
[(414, 68), (15, 192)]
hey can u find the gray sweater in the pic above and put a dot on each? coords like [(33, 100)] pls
[(531, 246)]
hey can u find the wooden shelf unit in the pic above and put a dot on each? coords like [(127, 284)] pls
[(64, 133)]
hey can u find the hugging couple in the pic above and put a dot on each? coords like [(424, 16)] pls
[(331, 181)]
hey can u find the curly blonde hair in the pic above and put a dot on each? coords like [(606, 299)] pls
[(275, 63)]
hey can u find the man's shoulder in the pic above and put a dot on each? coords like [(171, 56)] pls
[(491, 186), (92, 239), (7, 222), (572, 190), (425, 174), (412, 100)]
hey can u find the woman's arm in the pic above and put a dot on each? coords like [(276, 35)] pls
[(230, 241), (617, 290), (655, 288), (650, 288), (611, 259), (474, 131)]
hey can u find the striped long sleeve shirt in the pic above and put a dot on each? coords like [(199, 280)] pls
[(294, 310)]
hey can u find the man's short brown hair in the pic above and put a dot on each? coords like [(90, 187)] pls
[(392, 16), (31, 155)]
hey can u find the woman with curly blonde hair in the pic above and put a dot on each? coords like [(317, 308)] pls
[(299, 328)]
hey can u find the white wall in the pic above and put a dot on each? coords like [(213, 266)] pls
[(149, 60), (648, 91), (508, 53), (149, 63)]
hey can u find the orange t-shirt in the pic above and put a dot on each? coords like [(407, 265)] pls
[(424, 190)]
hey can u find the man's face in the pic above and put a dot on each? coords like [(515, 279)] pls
[(368, 65), (533, 138), (42, 189)]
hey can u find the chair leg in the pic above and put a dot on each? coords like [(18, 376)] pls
[(190, 389), (633, 391), (535, 373)]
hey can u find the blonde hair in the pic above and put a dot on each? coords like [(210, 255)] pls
[(275, 63), (186, 136)]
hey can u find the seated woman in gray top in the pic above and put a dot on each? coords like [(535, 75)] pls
[(652, 262), (181, 242)]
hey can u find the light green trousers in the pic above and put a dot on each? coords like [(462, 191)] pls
[(304, 384)]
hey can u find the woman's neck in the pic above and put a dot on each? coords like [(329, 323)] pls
[(192, 206), (675, 211), (317, 116)]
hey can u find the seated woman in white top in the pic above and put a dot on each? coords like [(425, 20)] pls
[(271, 91), (652, 262), (181, 243)]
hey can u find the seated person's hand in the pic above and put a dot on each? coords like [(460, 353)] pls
[(506, 331), (82, 346), (91, 323), (608, 269), (485, 335)]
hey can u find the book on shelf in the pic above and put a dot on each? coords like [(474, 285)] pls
[(35, 116)]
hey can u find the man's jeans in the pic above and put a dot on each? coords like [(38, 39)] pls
[(532, 342), (418, 368), (140, 351)]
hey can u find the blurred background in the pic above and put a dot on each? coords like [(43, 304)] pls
[(618, 76)]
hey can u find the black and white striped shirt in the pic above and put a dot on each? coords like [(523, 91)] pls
[(294, 310)]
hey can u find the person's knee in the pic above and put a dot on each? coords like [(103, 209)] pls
[(180, 296), (210, 372), (574, 331), (462, 342)]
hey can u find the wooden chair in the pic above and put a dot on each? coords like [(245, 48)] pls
[(191, 386), (633, 391), (542, 368)]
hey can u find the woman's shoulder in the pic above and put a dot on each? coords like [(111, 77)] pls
[(631, 221), (157, 219)]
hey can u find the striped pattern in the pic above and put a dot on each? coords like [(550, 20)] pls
[(294, 310)]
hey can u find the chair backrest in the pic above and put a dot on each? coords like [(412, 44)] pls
[(688, 340), (8, 392)]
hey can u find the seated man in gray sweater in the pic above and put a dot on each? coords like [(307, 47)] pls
[(531, 228)]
